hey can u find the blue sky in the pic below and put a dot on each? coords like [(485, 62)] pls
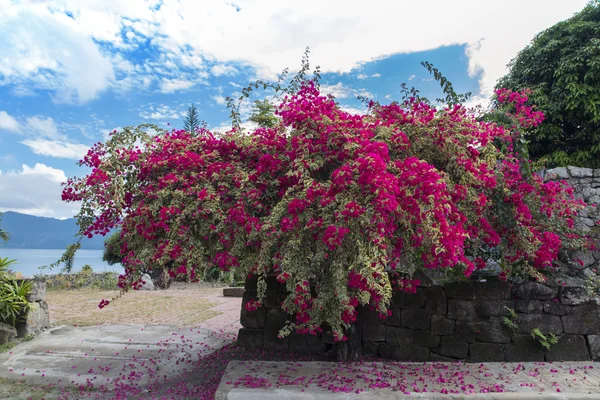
[(72, 70)]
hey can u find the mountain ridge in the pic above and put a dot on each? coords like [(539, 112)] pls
[(33, 232)]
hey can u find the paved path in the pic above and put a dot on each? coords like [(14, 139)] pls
[(245, 380)]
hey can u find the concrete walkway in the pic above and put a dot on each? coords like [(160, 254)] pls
[(105, 354), (245, 380)]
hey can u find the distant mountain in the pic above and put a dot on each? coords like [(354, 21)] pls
[(31, 232)]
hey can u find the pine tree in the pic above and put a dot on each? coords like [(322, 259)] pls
[(192, 122), (263, 115)]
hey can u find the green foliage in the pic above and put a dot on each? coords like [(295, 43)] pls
[(81, 280), (68, 258), (87, 269), (13, 300), (112, 249), (4, 236), (263, 114), (562, 67), (5, 264), (545, 341), (509, 321), (192, 121), (452, 98)]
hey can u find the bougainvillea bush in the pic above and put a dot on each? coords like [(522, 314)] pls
[(342, 208)]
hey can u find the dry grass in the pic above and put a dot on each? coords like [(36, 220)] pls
[(175, 307)]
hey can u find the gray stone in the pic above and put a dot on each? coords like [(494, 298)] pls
[(425, 339), (251, 282), (529, 306), (568, 348), (583, 320), (489, 308), (450, 347), (524, 348), (534, 291), (35, 320), (547, 323), (435, 300), (38, 290), (585, 257), (480, 352), (594, 346), (492, 290), (556, 308), (370, 348), (306, 343), (408, 300), (146, 283), (461, 310), (374, 332), (493, 331), (403, 353), (395, 319), (233, 292), (572, 296), (465, 331), (597, 173), (589, 273), (250, 338), (275, 320), (416, 319), (398, 336), (252, 319), (557, 173), (441, 325), (577, 172), (460, 290), (7, 333), (594, 200)]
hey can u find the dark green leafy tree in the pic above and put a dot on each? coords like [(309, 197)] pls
[(192, 121), (4, 236), (112, 249), (263, 114), (562, 67)]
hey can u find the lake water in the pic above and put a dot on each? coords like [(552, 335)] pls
[(29, 260)]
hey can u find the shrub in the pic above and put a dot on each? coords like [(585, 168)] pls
[(342, 208)]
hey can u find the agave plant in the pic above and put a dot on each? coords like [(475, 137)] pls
[(13, 295), (5, 263)]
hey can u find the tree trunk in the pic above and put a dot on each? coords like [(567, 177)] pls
[(351, 349)]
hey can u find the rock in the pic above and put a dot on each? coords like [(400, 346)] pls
[(557, 173), (252, 319), (524, 348), (311, 344), (35, 320), (572, 296), (398, 336), (403, 353), (233, 292), (529, 306), (146, 283), (408, 300), (460, 290), (492, 290), (568, 348), (480, 352), (534, 291), (597, 173), (465, 331), (594, 346), (493, 331), (38, 290), (425, 339), (416, 319), (374, 332), (275, 320), (577, 172), (395, 319), (583, 320), (489, 308), (435, 300), (250, 338), (452, 348), (547, 323), (370, 348), (585, 257), (441, 325), (7, 333), (594, 199), (556, 308), (461, 309)]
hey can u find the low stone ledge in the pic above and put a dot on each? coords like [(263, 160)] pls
[(233, 292)]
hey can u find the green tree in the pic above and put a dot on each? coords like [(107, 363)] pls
[(192, 121), (562, 67), (112, 249), (4, 236), (263, 114)]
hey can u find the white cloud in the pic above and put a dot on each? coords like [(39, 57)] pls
[(162, 111), (222, 69), (341, 91), (45, 127), (175, 85), (364, 76), (8, 123), (46, 50), (35, 190), (376, 75), (57, 148), (219, 99), (410, 78)]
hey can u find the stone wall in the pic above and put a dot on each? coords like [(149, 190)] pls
[(449, 323), (38, 317)]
